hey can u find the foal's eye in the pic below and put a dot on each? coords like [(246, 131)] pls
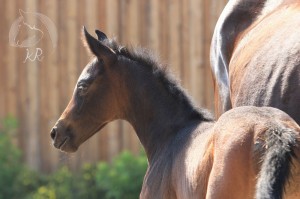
[(82, 88)]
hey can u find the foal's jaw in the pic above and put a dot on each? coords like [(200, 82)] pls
[(67, 139)]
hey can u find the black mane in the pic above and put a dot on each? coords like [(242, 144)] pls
[(148, 59)]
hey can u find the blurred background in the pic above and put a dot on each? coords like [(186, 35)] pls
[(42, 56)]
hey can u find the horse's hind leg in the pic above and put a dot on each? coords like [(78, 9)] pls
[(292, 189), (232, 175), (279, 175)]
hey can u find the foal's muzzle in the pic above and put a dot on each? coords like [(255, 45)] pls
[(62, 137)]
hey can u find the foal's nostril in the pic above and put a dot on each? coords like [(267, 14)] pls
[(53, 133)]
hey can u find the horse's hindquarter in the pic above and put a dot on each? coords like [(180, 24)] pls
[(293, 186), (233, 173), (239, 148), (265, 67)]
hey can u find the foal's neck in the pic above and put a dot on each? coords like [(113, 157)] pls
[(158, 116)]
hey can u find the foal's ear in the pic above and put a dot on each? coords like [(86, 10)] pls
[(101, 35), (98, 48)]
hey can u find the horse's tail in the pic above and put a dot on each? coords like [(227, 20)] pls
[(276, 163)]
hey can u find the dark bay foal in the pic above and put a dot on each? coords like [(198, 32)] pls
[(248, 152)]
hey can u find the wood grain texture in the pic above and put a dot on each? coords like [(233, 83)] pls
[(36, 93)]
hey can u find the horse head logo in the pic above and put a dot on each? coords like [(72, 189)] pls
[(29, 29)]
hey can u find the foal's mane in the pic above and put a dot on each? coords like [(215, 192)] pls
[(148, 59)]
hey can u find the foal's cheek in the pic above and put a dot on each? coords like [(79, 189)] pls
[(82, 102), (79, 104)]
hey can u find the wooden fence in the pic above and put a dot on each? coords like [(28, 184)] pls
[(36, 92)]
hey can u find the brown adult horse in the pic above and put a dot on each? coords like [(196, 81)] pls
[(249, 151), (255, 55)]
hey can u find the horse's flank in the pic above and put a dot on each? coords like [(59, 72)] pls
[(266, 57), (255, 59)]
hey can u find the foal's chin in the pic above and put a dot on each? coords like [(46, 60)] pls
[(67, 147)]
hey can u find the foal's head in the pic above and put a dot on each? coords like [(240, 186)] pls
[(118, 83), (96, 99)]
